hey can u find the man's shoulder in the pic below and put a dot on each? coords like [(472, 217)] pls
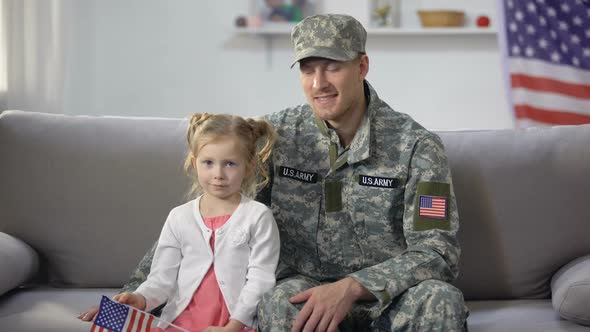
[(289, 117), (390, 124)]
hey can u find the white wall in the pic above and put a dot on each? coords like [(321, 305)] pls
[(171, 58)]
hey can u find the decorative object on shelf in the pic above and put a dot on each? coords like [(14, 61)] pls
[(385, 13), (241, 21), (441, 18), (283, 11), (482, 21)]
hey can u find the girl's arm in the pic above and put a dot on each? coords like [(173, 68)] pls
[(262, 264), (161, 281)]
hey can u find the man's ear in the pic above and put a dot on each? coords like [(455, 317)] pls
[(364, 66)]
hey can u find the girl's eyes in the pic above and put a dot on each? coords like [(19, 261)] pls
[(226, 163)]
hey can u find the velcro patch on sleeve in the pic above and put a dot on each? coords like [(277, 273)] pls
[(431, 209)]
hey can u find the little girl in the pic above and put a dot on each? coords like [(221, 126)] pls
[(217, 254)]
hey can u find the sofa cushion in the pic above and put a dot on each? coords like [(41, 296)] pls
[(570, 289), (48, 309), (518, 316), (522, 197), (90, 194), (18, 262)]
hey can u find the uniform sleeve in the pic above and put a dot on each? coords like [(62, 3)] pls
[(141, 272), (161, 280), (260, 278), (432, 246)]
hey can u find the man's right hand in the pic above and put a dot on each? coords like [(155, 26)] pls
[(132, 299)]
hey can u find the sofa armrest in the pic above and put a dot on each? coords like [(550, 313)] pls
[(18, 262), (570, 291)]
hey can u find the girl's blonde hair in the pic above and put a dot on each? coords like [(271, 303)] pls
[(255, 137)]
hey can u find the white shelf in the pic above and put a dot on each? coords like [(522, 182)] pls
[(280, 30), (277, 30)]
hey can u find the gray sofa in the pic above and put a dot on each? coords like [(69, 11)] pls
[(83, 198)]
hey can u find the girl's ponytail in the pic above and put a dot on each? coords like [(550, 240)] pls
[(261, 129)]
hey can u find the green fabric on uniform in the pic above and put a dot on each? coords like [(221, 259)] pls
[(333, 194), (422, 223)]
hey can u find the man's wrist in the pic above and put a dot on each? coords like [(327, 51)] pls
[(359, 292)]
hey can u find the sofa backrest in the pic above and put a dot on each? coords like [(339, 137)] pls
[(90, 194), (523, 199)]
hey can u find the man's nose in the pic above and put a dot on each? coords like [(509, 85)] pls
[(319, 80)]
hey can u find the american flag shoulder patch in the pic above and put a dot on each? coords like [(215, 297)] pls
[(432, 207)]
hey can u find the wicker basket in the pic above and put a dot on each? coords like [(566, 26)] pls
[(441, 18)]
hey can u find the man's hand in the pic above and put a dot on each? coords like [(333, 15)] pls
[(133, 299), (327, 305)]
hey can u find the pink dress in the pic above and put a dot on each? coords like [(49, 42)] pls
[(207, 307)]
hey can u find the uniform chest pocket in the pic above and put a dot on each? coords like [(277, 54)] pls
[(377, 198)]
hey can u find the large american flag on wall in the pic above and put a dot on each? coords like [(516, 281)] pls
[(548, 48)]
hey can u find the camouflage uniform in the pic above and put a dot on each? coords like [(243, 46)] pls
[(354, 212)]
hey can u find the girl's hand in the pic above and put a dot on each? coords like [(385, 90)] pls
[(132, 299), (89, 314), (231, 326)]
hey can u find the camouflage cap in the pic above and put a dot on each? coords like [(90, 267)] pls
[(331, 36)]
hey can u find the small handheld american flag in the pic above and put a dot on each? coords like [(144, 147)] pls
[(116, 317)]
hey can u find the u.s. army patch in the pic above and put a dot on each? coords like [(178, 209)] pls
[(298, 175), (432, 206), (377, 181)]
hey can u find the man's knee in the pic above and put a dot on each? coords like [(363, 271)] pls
[(432, 305)]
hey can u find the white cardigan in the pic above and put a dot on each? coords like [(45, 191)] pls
[(245, 259)]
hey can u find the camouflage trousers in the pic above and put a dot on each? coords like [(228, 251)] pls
[(432, 305)]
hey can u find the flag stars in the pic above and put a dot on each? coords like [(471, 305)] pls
[(515, 50), (575, 39), (555, 57), (586, 52), (531, 7), (551, 12), (565, 8), (542, 21), (530, 29), (519, 15), (543, 43), (510, 4), (530, 51), (587, 33), (563, 26), (553, 34), (513, 27), (564, 48), (576, 62), (577, 21)]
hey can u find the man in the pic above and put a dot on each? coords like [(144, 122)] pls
[(363, 199)]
